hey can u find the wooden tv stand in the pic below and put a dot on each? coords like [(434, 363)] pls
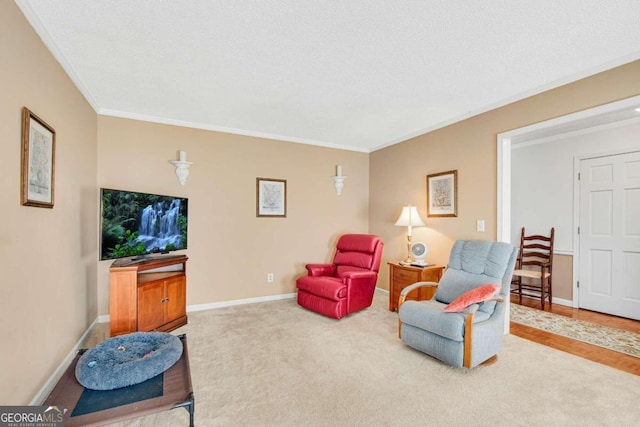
[(148, 294)]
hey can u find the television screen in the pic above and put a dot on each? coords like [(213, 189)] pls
[(137, 224)]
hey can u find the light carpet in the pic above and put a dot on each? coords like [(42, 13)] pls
[(277, 364), (602, 336)]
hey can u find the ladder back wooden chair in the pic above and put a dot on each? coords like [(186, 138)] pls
[(534, 267)]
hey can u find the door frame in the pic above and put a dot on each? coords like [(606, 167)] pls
[(546, 129)]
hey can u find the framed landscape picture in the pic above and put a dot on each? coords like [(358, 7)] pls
[(271, 197), (442, 194), (38, 161)]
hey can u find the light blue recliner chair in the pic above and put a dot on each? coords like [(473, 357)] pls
[(470, 337)]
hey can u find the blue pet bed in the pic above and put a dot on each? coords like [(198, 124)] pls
[(127, 360)]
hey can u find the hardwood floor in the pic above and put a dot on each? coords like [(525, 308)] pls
[(611, 358)]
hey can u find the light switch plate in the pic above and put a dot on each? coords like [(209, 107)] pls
[(480, 225)]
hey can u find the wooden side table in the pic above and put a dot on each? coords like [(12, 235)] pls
[(401, 276)]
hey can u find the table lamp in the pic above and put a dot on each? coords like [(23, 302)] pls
[(409, 217)]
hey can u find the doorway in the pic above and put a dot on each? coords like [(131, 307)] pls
[(607, 115)]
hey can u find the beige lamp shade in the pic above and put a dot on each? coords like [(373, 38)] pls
[(409, 217)]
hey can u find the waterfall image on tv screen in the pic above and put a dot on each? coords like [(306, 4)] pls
[(136, 224)]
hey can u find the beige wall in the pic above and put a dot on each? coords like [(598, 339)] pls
[(398, 173), (48, 256), (53, 287), (563, 277), (230, 250)]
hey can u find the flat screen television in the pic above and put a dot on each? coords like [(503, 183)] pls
[(138, 224)]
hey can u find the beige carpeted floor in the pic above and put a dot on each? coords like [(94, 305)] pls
[(276, 364)]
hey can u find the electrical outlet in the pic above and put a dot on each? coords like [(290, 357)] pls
[(480, 225), (270, 278)]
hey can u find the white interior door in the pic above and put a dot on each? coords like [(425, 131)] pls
[(609, 237)]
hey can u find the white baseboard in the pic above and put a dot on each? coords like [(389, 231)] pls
[(559, 301), (382, 291), (209, 306), (212, 305), (57, 374)]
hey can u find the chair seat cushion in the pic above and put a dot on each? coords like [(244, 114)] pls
[(127, 360), (331, 288), (428, 315)]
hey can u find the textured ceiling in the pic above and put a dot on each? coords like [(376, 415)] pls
[(352, 74)]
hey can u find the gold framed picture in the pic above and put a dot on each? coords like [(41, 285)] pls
[(442, 194), (38, 161)]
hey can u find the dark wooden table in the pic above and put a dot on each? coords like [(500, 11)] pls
[(177, 392)]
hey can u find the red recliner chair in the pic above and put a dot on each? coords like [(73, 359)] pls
[(347, 285)]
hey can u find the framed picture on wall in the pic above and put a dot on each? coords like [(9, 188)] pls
[(271, 197), (38, 161), (442, 194)]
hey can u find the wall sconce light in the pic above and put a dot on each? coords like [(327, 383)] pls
[(409, 217), (182, 167), (338, 180)]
